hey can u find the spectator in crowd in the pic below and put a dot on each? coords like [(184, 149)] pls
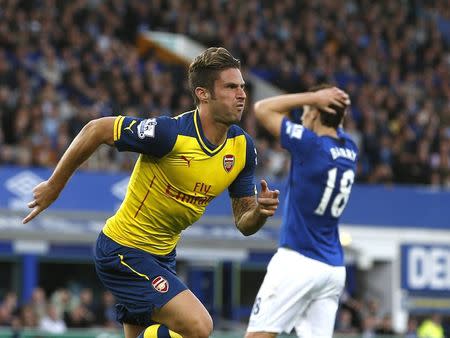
[(39, 303), (107, 311), (369, 327), (51, 323), (28, 316), (8, 307), (344, 323), (385, 326), (62, 300), (411, 331), (87, 303), (79, 317), (431, 327)]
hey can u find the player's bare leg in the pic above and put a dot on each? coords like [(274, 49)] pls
[(132, 331), (261, 335), (185, 315)]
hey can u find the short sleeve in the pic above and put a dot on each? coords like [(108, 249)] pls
[(295, 138), (244, 184), (154, 136)]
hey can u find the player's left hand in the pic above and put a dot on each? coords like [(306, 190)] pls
[(267, 200)]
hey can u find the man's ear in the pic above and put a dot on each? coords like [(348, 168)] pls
[(202, 94)]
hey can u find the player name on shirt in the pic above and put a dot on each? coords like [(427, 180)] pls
[(343, 152)]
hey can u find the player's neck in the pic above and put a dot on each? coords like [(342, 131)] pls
[(214, 131), (326, 131)]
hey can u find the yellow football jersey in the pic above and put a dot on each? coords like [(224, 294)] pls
[(176, 176)]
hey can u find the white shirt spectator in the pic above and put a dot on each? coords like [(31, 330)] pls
[(51, 323)]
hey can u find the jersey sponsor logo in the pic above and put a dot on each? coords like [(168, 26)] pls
[(187, 198), (202, 187), (129, 127), (228, 162), (160, 284), (147, 128), (187, 160)]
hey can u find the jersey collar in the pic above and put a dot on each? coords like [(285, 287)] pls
[(206, 146)]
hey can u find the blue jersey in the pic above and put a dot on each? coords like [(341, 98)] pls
[(320, 180)]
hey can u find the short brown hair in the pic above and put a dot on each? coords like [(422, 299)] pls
[(329, 119), (204, 70)]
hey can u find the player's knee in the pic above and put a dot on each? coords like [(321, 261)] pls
[(199, 328), (204, 327)]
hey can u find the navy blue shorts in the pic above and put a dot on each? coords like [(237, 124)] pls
[(139, 280)]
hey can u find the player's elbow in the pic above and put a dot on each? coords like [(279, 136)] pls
[(259, 108)]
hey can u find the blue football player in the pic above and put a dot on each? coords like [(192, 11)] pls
[(185, 162), (306, 275)]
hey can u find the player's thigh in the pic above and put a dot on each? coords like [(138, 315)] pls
[(319, 319), (186, 315), (132, 331), (141, 282), (284, 294)]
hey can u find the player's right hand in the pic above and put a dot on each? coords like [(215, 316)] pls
[(268, 200), (325, 98), (44, 194)]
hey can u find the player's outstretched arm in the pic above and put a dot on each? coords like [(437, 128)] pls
[(270, 112), (93, 134), (251, 213)]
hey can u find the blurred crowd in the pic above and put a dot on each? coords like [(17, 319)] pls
[(63, 63), (364, 318), (70, 308), (61, 310)]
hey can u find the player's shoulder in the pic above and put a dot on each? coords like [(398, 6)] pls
[(297, 131), (169, 125), (185, 123), (236, 131)]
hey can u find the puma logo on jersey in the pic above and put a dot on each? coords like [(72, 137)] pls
[(129, 127), (187, 160)]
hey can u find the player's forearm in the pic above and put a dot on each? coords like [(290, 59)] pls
[(270, 112), (82, 147), (283, 103), (248, 216), (251, 221)]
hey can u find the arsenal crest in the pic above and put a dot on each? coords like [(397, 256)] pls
[(160, 284), (228, 162)]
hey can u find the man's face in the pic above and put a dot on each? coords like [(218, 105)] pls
[(228, 100)]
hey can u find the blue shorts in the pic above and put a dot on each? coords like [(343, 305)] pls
[(139, 280)]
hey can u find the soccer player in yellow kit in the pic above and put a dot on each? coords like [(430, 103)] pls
[(185, 162)]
